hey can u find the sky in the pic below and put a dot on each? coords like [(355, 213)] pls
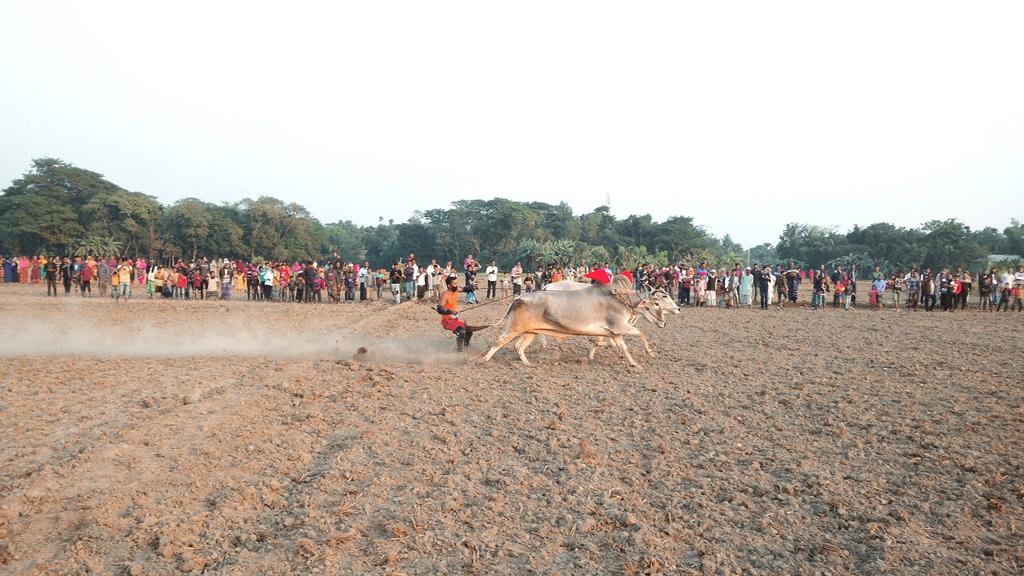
[(742, 115)]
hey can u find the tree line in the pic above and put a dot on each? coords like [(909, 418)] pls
[(58, 208)]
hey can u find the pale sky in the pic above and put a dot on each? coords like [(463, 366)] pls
[(743, 115)]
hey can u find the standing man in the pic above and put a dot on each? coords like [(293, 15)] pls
[(409, 278), (124, 280), (364, 272), (52, 269), (928, 290), (986, 280), (764, 282), (492, 280), (396, 284)]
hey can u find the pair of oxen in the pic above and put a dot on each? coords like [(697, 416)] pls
[(569, 308)]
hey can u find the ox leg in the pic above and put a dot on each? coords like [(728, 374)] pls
[(501, 341), (598, 342), (625, 351), (543, 342), (524, 341), (647, 345)]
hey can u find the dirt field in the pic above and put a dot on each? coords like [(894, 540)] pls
[(242, 438)]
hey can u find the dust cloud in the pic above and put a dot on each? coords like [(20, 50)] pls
[(214, 337)]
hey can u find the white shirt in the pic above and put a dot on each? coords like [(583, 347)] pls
[(492, 273)]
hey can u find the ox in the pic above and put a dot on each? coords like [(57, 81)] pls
[(652, 308), (598, 310)]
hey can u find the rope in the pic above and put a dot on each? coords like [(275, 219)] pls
[(495, 301)]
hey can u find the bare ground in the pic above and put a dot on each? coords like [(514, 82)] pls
[(243, 438)]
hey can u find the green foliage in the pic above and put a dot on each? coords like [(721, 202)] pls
[(55, 203), (98, 246), (936, 244)]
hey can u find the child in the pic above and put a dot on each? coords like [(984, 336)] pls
[(528, 283), (115, 284), (350, 287), (877, 292), (197, 285), (896, 284), (504, 285), (1004, 298), (470, 289)]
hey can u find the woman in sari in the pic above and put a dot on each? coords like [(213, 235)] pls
[(23, 266), (140, 265)]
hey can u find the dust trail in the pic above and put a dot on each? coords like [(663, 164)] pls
[(215, 338)]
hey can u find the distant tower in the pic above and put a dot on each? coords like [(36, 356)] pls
[(608, 200)]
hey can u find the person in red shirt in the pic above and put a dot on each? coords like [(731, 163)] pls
[(196, 283), (88, 273)]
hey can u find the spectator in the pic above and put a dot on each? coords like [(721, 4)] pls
[(764, 286), (492, 280), (517, 279), (409, 278), (396, 283), (124, 280)]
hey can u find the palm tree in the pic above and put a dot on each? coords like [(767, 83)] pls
[(99, 246), (527, 250)]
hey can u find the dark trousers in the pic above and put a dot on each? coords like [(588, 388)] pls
[(684, 296), (362, 291), (267, 291), (929, 302), (51, 283), (764, 297), (492, 288), (516, 289), (86, 287), (947, 301)]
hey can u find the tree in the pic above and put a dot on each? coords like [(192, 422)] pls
[(99, 246), (187, 225), (947, 243), (1014, 234)]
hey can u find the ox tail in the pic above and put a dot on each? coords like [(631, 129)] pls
[(500, 320)]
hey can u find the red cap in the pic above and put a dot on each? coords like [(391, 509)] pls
[(599, 275), (627, 274)]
